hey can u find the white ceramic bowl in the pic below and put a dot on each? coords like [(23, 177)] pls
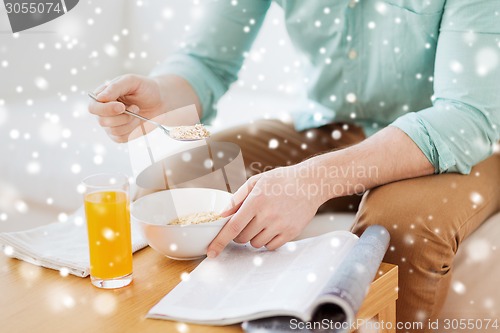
[(182, 242)]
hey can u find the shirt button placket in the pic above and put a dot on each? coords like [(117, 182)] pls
[(352, 38)]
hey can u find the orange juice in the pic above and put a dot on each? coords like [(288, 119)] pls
[(108, 225)]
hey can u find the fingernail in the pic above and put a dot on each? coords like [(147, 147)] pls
[(211, 254), (118, 108)]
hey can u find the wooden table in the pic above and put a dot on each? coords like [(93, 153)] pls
[(35, 299)]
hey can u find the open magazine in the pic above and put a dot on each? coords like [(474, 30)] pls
[(324, 277)]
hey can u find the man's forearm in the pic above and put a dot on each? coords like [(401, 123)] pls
[(387, 156), (176, 92)]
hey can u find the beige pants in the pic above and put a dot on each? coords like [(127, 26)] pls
[(428, 217)]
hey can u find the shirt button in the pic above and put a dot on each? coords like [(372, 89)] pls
[(353, 54)]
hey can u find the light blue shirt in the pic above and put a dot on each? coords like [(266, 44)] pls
[(428, 67)]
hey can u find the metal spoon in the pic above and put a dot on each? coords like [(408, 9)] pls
[(165, 129)]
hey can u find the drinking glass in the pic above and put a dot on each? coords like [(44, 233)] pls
[(107, 211)]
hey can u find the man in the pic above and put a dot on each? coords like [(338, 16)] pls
[(421, 75)]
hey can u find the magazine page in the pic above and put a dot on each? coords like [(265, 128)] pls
[(244, 283), (342, 295), (349, 285)]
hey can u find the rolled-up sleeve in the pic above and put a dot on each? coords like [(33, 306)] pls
[(463, 125), (213, 50)]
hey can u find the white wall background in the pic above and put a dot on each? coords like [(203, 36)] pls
[(100, 39)]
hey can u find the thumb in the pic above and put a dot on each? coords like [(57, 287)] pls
[(121, 86), (231, 209), (239, 196)]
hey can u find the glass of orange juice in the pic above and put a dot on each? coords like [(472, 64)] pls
[(107, 211)]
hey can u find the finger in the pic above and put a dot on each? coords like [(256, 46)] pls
[(106, 109), (119, 139), (250, 231), (99, 89), (232, 228), (103, 86), (122, 86), (228, 211), (115, 121), (276, 242), (133, 108), (239, 196), (123, 130), (237, 199), (263, 238)]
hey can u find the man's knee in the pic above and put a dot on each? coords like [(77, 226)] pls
[(419, 237)]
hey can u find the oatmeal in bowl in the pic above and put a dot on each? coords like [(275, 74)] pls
[(181, 223), (196, 218)]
